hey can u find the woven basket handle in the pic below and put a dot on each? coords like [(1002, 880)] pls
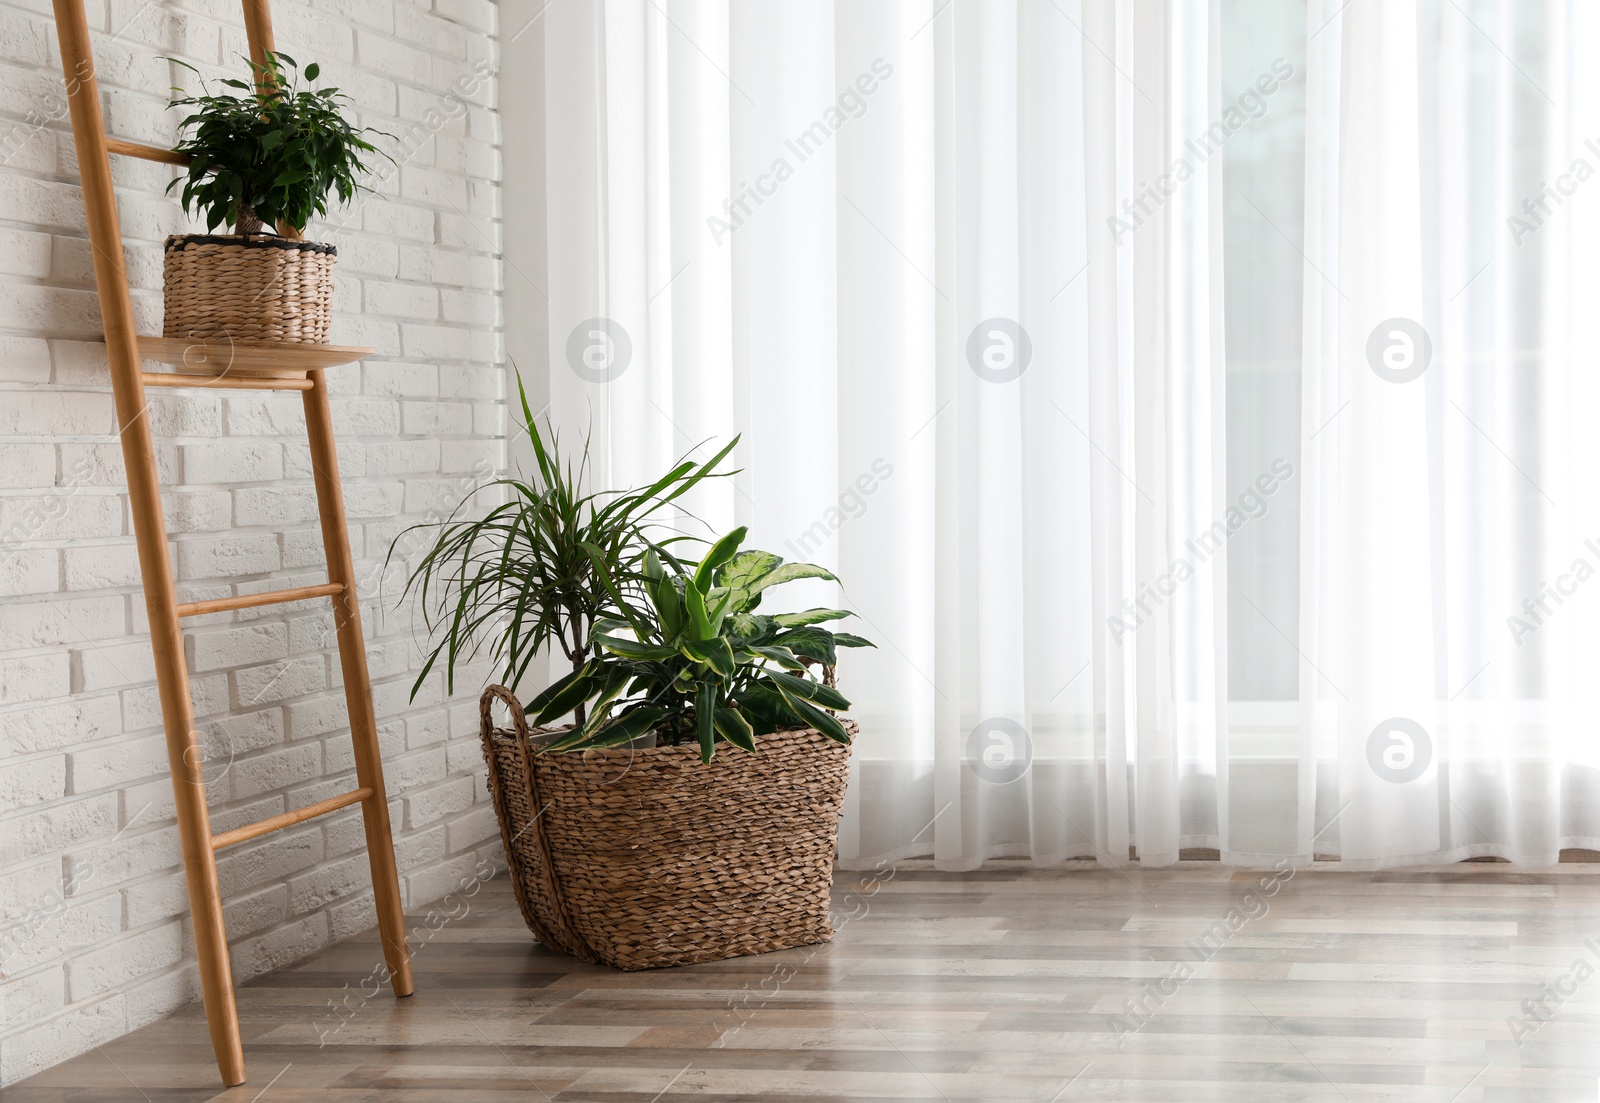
[(519, 719), (565, 939)]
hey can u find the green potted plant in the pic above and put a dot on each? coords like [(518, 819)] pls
[(699, 664), (717, 837), (261, 163)]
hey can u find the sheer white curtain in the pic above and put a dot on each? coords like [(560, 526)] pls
[(940, 265), (954, 270), (1448, 646)]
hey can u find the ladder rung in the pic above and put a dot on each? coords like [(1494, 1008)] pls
[(146, 153), (289, 819), (225, 382), (251, 601)]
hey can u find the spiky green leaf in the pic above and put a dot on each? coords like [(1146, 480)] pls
[(705, 710), (716, 653), (810, 714), (633, 649), (629, 726), (735, 729), (826, 696), (564, 695), (699, 626), (780, 655), (722, 551)]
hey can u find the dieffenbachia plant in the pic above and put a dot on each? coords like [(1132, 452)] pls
[(697, 662)]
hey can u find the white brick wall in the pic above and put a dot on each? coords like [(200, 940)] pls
[(94, 939)]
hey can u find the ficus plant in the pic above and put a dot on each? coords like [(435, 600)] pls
[(696, 662), (525, 576), (274, 153)]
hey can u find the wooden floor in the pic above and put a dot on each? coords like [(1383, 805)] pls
[(999, 985)]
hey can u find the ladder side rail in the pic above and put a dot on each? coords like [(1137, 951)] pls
[(347, 621), (144, 494), (357, 682), (258, 32)]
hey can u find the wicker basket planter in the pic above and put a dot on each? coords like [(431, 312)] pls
[(642, 858), (258, 288)]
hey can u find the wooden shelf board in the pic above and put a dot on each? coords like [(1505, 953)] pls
[(219, 356)]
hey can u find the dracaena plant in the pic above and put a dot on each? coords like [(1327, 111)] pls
[(696, 662), (537, 571), (272, 154)]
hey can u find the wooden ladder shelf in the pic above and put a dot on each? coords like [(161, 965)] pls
[(221, 365)]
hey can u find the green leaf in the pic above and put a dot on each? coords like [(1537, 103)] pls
[(780, 655), (735, 729), (743, 569), (272, 139), (630, 727), (564, 696), (699, 623), (765, 708), (845, 639), (603, 572), (705, 710), (810, 616), (808, 713), (788, 572), (704, 471), (715, 653), (633, 649), (612, 685), (823, 695), (812, 642), (722, 551), (750, 628), (313, 71), (720, 601), (669, 607)]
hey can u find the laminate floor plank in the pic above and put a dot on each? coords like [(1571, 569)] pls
[(1473, 983)]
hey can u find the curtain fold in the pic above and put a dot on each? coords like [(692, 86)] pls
[(1446, 683)]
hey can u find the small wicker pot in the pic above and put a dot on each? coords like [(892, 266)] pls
[(258, 288), (647, 858)]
